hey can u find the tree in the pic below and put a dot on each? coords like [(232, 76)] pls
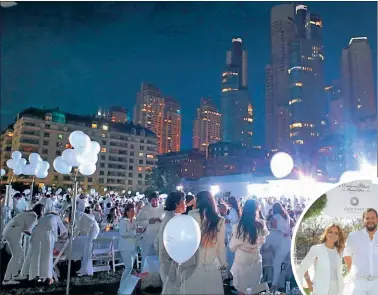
[(316, 208), (163, 181)]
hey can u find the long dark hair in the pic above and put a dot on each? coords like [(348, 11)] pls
[(249, 224), (173, 200), (209, 217), (38, 209), (278, 209), (234, 204)]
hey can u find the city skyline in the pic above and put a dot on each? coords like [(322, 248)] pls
[(69, 69)]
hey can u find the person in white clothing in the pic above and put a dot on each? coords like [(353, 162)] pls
[(22, 223), (39, 260), (48, 203), (128, 243), (231, 219), (248, 236), (361, 257), (151, 216), (326, 257), (280, 240), (87, 226)]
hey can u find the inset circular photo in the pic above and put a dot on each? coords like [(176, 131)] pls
[(335, 243)]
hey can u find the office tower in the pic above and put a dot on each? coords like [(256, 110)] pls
[(236, 107), (336, 118), (149, 111), (357, 81), (128, 152), (206, 126), (171, 126), (308, 106), (277, 84)]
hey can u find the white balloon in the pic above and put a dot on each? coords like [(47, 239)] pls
[(87, 158), (23, 161), (95, 147), (2, 172), (16, 155), (42, 174), (181, 238), (30, 170), (69, 190), (74, 137), (92, 191), (18, 170), (34, 158), (281, 165), (79, 189), (70, 157), (61, 166), (105, 189), (88, 169), (79, 140), (11, 163)]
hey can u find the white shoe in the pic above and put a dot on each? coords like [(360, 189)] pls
[(10, 282)]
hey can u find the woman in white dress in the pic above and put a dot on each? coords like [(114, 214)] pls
[(231, 219), (206, 276), (248, 236), (327, 259), (39, 260), (280, 239), (128, 243), (22, 223), (175, 204)]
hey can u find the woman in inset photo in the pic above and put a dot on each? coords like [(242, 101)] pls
[(326, 258)]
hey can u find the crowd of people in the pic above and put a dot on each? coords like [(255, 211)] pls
[(244, 240)]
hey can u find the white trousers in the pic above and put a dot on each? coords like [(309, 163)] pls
[(41, 256), (87, 262), (361, 287), (17, 260), (281, 246)]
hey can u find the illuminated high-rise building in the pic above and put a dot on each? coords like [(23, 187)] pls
[(206, 126), (161, 115), (277, 83), (308, 105), (236, 106), (357, 81), (171, 126)]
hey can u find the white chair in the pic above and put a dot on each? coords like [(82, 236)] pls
[(103, 254)]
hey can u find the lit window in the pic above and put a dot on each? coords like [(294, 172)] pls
[(94, 125), (294, 100), (103, 135), (68, 146), (359, 106), (141, 154), (103, 150), (48, 117), (60, 136), (150, 156), (298, 142), (10, 134), (226, 89), (323, 122), (296, 125), (299, 84), (140, 168), (105, 127)]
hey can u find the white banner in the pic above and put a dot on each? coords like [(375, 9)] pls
[(351, 199)]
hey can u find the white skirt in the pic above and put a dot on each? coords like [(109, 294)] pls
[(247, 274)]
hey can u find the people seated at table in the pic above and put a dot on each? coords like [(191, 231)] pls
[(23, 223)]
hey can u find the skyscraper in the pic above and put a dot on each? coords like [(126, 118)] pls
[(308, 107), (161, 115), (206, 126), (236, 107), (357, 81), (171, 126), (149, 111), (277, 90)]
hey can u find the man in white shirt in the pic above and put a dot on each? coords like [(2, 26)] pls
[(361, 257)]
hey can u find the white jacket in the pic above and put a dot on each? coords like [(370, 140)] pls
[(318, 256)]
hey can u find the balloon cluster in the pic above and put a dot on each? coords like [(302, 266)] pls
[(17, 163), (84, 155), (37, 166)]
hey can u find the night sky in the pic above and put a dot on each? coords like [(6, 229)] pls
[(79, 56)]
